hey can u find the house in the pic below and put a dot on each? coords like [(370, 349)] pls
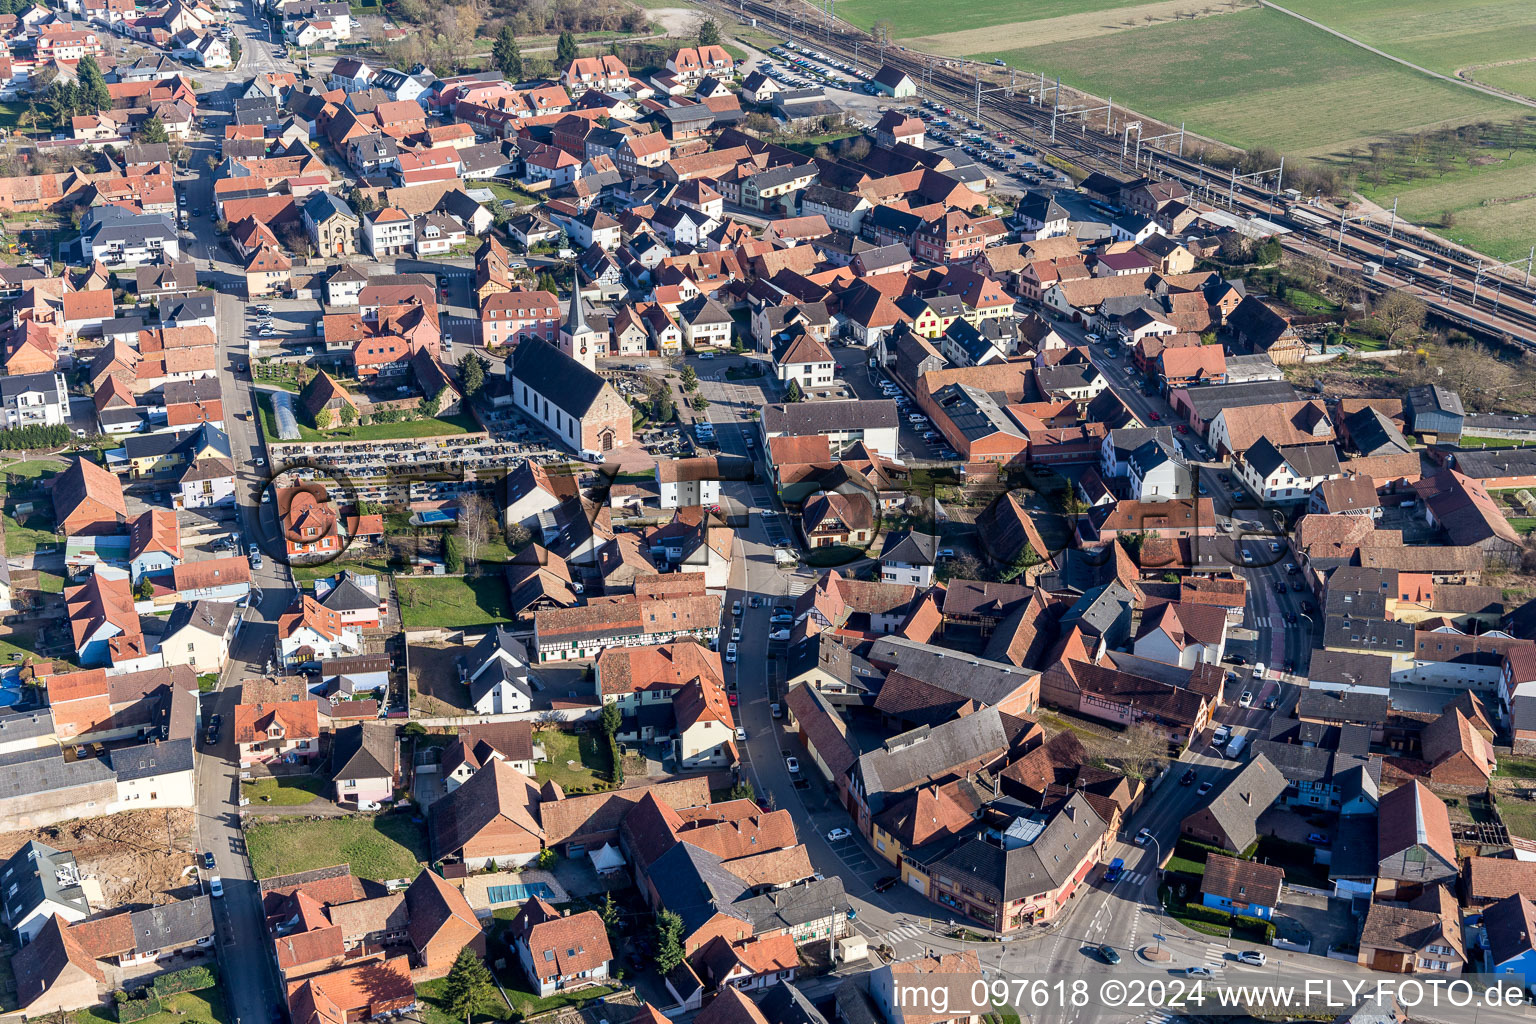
[(1279, 476), (800, 357), (1243, 887), (888, 987), (309, 632), (198, 634), (34, 400), (40, 883), (478, 745), (830, 518), (1229, 820), (687, 482), (495, 816), (1184, 635), (1422, 936), (909, 557), (88, 499), (1414, 847), (1435, 413), (1510, 925), (560, 953), (331, 224), (365, 760), (274, 731), (498, 680), (389, 232), (893, 82)]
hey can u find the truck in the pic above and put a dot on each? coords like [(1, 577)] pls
[(1235, 748)]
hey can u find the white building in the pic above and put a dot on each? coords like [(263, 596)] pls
[(685, 482), (1281, 476), (909, 558), (34, 400), (389, 232), (1184, 634), (498, 675)]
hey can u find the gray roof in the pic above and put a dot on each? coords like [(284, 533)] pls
[(786, 1004), (162, 757), (1063, 376), (923, 753), (1210, 399), (170, 925), (783, 909), (45, 384), (211, 617), (37, 873), (33, 772), (25, 725), (986, 682), (1343, 706), (364, 751), (116, 224), (910, 546), (321, 206), (1248, 793), (693, 884), (1005, 875), (1385, 636), (974, 412), (1100, 608), (800, 418), (187, 307), (556, 377), (1435, 398), (1350, 669), (349, 595), (1308, 460)]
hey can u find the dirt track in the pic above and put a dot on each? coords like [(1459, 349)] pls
[(1013, 35)]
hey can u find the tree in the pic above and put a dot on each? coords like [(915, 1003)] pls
[(472, 371), (452, 559), (881, 32), (669, 941), (153, 130), (325, 419), (348, 415), (961, 567), (1399, 311), (793, 392), (506, 55), (468, 985), (93, 85), (517, 536), (610, 719), (1022, 563), (609, 913), (699, 403), (1269, 251), (476, 521), (1145, 751), (709, 32), (1208, 338), (431, 405), (688, 379), (566, 49), (145, 590), (743, 791)]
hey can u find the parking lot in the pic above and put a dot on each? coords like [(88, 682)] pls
[(917, 437), (998, 150)]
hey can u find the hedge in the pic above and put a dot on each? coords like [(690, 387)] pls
[(190, 979), (1201, 912), (34, 437), (136, 1009)]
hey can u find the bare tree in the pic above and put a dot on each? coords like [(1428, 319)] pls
[(1144, 752), (1399, 311), (476, 524)]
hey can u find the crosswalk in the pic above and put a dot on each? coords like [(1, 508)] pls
[(1134, 877), (1215, 956)]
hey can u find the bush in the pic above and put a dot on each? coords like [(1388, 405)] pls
[(129, 1009), (34, 437), (1201, 912), (1191, 849), (192, 979)]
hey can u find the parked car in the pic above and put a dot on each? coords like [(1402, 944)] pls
[(837, 835), (1205, 787), (1318, 839), (885, 883), (1115, 870), (793, 764), (730, 653), (775, 711), (741, 735)]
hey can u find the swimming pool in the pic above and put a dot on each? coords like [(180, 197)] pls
[(518, 893)]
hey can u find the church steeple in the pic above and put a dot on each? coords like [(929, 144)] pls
[(575, 318)]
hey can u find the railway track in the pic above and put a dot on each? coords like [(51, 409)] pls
[(1448, 280)]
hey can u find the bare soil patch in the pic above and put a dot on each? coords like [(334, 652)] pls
[(136, 856), (1063, 29)]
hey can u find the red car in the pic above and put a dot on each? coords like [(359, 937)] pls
[(732, 699), (1183, 429), (1156, 417)]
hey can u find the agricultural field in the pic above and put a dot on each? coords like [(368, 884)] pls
[(911, 19), (1504, 227), (1258, 77), (1520, 78), (1431, 33)]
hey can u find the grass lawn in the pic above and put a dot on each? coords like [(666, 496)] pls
[(585, 749), (1503, 227), (441, 426), (837, 554), (1186, 865), (10, 113), (1256, 77), (916, 17), (1523, 524), (25, 536), (1473, 441), (1520, 78), (32, 469), (287, 791), (207, 681), (205, 1007), (1511, 767), (1519, 816), (48, 583), (378, 847), (527, 1004), (452, 601), (367, 567), (807, 144), (433, 998), (513, 193)]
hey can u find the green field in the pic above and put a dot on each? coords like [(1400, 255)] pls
[(1503, 229), (910, 18), (1257, 77), (378, 847), (1433, 34), (439, 427), (447, 601), (1520, 78)]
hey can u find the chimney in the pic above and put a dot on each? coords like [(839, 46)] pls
[(566, 912)]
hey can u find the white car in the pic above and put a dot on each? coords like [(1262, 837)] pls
[(775, 711), (779, 634), (741, 735), (216, 886), (1143, 836), (793, 764), (1251, 956), (837, 835), (1246, 700), (730, 653), (736, 634)]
